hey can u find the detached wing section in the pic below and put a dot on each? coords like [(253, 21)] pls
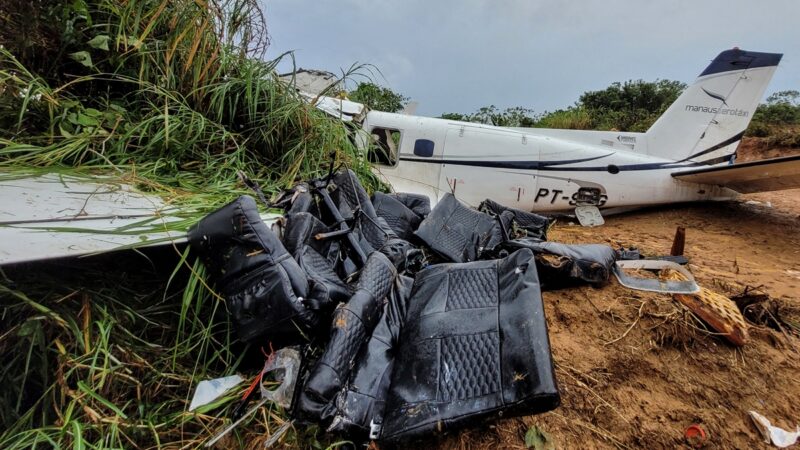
[(53, 216), (757, 176)]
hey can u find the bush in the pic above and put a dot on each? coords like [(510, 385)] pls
[(784, 137), (574, 118), (758, 129), (510, 117), (378, 98), (630, 106), (777, 119), (163, 86)]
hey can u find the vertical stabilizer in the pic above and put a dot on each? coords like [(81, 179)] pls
[(706, 123)]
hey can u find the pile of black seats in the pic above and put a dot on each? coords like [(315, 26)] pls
[(424, 320)]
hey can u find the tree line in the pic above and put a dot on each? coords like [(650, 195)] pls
[(632, 105)]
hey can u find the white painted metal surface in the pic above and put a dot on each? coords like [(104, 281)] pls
[(54, 216), (756, 176), (589, 216), (344, 110), (32, 242), (43, 217), (530, 169)]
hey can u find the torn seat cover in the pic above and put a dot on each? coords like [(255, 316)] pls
[(561, 265), (352, 326), (263, 286), (473, 346), (528, 224), (455, 231), (317, 258)]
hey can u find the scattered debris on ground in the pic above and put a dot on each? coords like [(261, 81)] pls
[(636, 369), (375, 377), (426, 335)]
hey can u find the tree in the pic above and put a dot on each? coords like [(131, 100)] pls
[(778, 118), (632, 105), (378, 98), (781, 108), (628, 106), (455, 116), (791, 97), (491, 115)]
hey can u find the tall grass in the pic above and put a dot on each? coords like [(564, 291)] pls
[(175, 96), (168, 87)]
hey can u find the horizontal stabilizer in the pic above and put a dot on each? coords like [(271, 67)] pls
[(756, 176)]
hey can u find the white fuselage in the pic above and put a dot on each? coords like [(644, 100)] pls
[(530, 169)]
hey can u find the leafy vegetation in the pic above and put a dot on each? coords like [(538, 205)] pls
[(491, 115), (628, 106), (167, 87), (781, 108), (378, 98), (572, 118), (778, 120), (175, 96), (635, 106)]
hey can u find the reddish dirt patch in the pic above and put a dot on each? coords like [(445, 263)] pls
[(754, 149)]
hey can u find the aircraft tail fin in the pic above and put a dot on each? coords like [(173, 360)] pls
[(707, 122)]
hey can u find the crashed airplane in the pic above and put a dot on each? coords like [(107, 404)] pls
[(687, 155), (399, 316)]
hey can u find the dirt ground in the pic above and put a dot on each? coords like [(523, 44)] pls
[(635, 369)]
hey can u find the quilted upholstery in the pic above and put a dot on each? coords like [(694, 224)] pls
[(473, 345), (473, 288), (262, 284), (352, 326), (363, 399), (455, 231), (326, 288), (400, 218), (470, 366)]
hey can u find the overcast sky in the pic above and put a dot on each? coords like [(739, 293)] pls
[(456, 56)]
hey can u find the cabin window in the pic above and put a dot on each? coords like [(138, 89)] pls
[(386, 143), (423, 148)]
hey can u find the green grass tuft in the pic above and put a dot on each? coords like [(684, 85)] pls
[(175, 97)]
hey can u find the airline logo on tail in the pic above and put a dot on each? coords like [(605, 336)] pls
[(712, 110), (715, 96)]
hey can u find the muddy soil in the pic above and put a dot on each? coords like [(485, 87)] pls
[(635, 369)]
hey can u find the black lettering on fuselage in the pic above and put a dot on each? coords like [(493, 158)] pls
[(601, 202), (543, 192), (555, 195)]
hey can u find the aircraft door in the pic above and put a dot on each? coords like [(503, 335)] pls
[(419, 150)]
